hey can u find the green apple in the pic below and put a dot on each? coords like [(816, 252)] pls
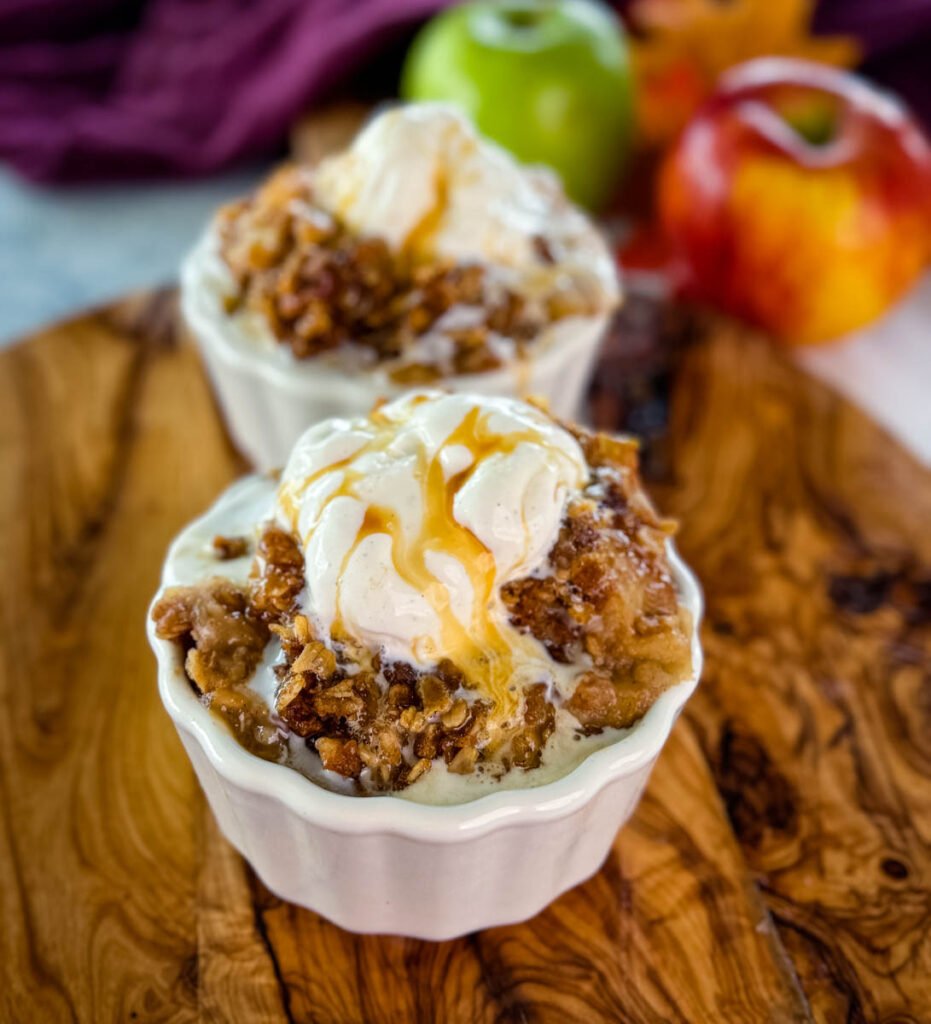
[(549, 80)]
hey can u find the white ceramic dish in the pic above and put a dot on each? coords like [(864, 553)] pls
[(269, 398), (387, 865)]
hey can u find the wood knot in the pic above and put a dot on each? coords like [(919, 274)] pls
[(894, 868), (188, 974), (756, 794), (860, 595), (905, 587)]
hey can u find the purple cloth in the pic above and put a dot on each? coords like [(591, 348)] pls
[(183, 87), (104, 89), (896, 38)]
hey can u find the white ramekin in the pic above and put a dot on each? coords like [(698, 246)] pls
[(391, 866), (269, 402)]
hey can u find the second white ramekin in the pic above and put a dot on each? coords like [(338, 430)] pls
[(387, 865), (269, 399)]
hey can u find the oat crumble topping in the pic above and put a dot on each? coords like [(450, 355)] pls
[(227, 548)]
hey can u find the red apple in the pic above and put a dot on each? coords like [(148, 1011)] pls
[(798, 197)]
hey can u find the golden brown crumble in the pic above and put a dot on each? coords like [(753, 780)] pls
[(609, 602), (389, 719), (227, 548), (221, 632), (611, 595), (319, 286), (277, 575)]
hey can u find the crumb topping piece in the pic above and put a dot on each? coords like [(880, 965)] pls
[(225, 549), (222, 633), (610, 596)]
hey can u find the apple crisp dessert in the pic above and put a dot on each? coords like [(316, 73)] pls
[(591, 632)]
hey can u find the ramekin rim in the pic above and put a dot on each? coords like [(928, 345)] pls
[(393, 815)]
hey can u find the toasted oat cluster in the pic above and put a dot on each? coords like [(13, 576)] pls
[(610, 596), (321, 287), (608, 604)]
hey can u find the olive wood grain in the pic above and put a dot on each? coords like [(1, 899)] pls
[(777, 868), (810, 529)]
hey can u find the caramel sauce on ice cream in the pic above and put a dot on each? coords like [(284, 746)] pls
[(401, 528)]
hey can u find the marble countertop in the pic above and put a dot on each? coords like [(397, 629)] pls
[(65, 250)]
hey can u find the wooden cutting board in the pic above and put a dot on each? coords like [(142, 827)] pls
[(778, 868)]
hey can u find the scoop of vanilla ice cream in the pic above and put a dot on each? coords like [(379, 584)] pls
[(413, 518), (421, 177)]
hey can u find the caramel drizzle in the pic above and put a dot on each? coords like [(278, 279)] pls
[(418, 242), (483, 650)]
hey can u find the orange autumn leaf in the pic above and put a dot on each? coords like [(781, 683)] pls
[(680, 47)]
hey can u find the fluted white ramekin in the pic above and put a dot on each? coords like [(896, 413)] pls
[(269, 398), (387, 865)]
